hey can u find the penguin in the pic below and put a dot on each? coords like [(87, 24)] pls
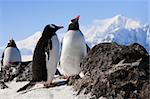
[(73, 50), (45, 58), (46, 55), (11, 54)]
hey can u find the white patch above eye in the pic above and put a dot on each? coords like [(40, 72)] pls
[(52, 26), (70, 22)]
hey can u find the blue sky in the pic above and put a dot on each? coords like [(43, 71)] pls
[(22, 18)]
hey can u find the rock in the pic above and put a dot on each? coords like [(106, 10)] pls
[(2, 85), (26, 74), (20, 72), (115, 71), (1, 75), (73, 79), (9, 72)]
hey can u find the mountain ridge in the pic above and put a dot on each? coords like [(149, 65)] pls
[(119, 28)]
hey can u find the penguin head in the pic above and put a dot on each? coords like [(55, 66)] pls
[(50, 30), (74, 24), (11, 43), (55, 27)]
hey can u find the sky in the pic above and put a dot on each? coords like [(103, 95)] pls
[(20, 19)]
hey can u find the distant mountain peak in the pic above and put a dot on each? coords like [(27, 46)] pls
[(120, 29), (115, 22), (124, 22), (119, 16)]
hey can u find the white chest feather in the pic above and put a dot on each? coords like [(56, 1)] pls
[(11, 54), (73, 50), (51, 64)]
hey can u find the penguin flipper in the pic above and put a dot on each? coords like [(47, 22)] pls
[(27, 86), (49, 47), (47, 52), (2, 58), (50, 44), (88, 48)]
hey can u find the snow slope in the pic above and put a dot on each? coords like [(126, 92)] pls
[(60, 92), (119, 28), (51, 93), (27, 45)]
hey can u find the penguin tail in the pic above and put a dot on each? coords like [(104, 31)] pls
[(27, 86)]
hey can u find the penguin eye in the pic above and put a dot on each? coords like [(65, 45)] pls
[(73, 20), (70, 22)]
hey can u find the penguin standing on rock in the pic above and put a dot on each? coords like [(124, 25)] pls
[(73, 49), (11, 54), (45, 58)]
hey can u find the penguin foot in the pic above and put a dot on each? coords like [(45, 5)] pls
[(39, 85), (66, 77), (48, 84)]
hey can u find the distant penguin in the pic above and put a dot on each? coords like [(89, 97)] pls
[(45, 57), (11, 54), (73, 50)]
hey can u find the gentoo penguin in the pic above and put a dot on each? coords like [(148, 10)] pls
[(73, 49), (11, 54), (45, 57)]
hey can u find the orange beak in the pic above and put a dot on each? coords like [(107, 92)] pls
[(78, 17)]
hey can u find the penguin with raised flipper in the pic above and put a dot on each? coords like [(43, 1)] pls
[(45, 58)]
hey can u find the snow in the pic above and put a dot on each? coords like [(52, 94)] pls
[(35, 94), (27, 58), (60, 92)]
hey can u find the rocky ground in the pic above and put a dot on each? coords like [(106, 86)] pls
[(115, 72), (3, 85), (112, 71), (20, 72)]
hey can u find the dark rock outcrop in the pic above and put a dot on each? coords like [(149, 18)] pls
[(3, 85), (21, 72), (115, 72), (26, 73)]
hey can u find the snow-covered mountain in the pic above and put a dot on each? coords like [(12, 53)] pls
[(120, 29), (27, 45)]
